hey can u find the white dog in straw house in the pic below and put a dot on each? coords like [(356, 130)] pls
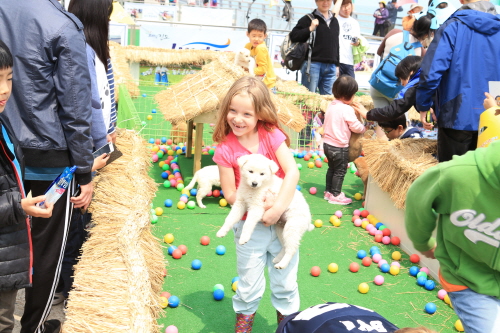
[(206, 178), (257, 174), (244, 59)]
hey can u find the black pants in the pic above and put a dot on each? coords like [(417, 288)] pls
[(337, 167), (454, 142), (49, 240), (381, 29), (346, 70)]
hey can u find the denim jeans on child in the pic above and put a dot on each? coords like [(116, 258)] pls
[(479, 313), (337, 167), (252, 258), (322, 77)]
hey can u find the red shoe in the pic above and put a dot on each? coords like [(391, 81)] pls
[(244, 323)]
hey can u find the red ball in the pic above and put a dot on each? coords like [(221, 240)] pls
[(318, 164), (354, 267), (157, 141), (307, 157), (395, 240), (354, 218), (378, 238), (177, 254), (205, 240), (169, 142), (365, 213), (216, 193), (315, 271), (363, 204), (414, 258), (325, 160), (366, 261), (386, 232), (170, 158), (183, 249), (165, 294), (164, 272)]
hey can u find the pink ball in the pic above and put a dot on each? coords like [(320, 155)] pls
[(369, 227), (155, 158), (442, 293), (378, 280), (183, 199), (425, 269), (365, 219), (379, 232), (381, 262), (171, 329), (386, 240), (313, 190), (209, 194), (173, 182), (376, 258), (357, 222), (338, 214), (356, 212), (373, 231), (395, 263)]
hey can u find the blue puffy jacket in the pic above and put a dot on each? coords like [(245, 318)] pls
[(461, 59)]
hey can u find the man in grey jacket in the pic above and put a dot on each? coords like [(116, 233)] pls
[(393, 13), (50, 112)]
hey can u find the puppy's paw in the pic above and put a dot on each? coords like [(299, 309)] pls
[(244, 239), (202, 206), (221, 233), (278, 258), (281, 265)]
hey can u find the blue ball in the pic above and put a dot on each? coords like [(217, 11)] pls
[(163, 139), (196, 264), (304, 152), (421, 281), (153, 111), (300, 155), (218, 294), (144, 95), (378, 225), (164, 175), (385, 268), (173, 301), (361, 254), (171, 249), (152, 140), (414, 270), (430, 308), (168, 203), (430, 285), (299, 188), (220, 250), (374, 248), (193, 191), (184, 149), (221, 193), (236, 278)]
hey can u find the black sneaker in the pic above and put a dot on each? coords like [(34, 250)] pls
[(52, 326)]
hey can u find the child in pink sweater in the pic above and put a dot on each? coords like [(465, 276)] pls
[(340, 121)]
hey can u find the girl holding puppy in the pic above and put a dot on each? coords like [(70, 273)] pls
[(248, 124)]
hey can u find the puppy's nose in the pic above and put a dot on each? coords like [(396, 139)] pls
[(254, 184)]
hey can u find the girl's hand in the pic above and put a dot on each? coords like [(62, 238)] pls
[(30, 208), (271, 216), (489, 101), (100, 162)]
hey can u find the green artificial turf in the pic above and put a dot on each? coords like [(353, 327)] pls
[(399, 299)]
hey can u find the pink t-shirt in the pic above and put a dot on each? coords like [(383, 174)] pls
[(228, 152), (340, 121)]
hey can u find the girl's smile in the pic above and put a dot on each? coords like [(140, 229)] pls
[(241, 116)]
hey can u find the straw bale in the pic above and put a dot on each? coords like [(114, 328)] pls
[(166, 57), (119, 275), (394, 165), (414, 114)]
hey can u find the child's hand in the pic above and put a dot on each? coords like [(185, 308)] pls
[(489, 101), (30, 208), (430, 253), (360, 109), (100, 162), (271, 216)]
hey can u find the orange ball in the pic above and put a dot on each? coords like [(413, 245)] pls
[(183, 249), (318, 164), (177, 254), (354, 267), (366, 261), (315, 271), (378, 238), (307, 157), (205, 240), (354, 218)]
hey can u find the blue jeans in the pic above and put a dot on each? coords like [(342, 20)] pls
[(322, 77), (479, 313)]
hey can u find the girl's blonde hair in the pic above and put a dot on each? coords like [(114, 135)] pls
[(262, 103)]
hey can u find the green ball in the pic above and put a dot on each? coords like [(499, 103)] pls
[(143, 123), (191, 204), (218, 286), (181, 144), (167, 184), (211, 151), (154, 219), (159, 153), (180, 187), (382, 227), (169, 148), (165, 167), (422, 274), (153, 212), (299, 166)]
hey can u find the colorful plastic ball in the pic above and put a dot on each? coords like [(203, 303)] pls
[(361, 254), (414, 258), (165, 294), (163, 302), (395, 241), (177, 254), (396, 263), (180, 187), (220, 250), (165, 166), (374, 249), (171, 329), (219, 294), (385, 268), (218, 286), (363, 288), (160, 154), (149, 117), (381, 262), (430, 285), (458, 326), (372, 231), (376, 257), (357, 223), (318, 223), (236, 278), (424, 274), (354, 218), (358, 196), (386, 240), (425, 269), (394, 270), (181, 205), (154, 158), (164, 175), (205, 240), (168, 203), (421, 281), (378, 225), (193, 192), (378, 232), (386, 231), (447, 299), (183, 199), (168, 238), (310, 165), (191, 204), (171, 249), (442, 293), (315, 271), (364, 224), (333, 268), (313, 190), (154, 219), (338, 213), (354, 267), (382, 228), (298, 187), (430, 308), (185, 192), (413, 271), (364, 213), (173, 301), (299, 166), (378, 280), (173, 182), (234, 285), (396, 255), (223, 202), (196, 264), (367, 261)]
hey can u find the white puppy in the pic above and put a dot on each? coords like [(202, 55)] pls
[(257, 178), (244, 59), (206, 178)]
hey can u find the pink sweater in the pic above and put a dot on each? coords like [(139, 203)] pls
[(340, 121)]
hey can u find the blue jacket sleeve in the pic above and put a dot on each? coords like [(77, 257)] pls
[(435, 63)]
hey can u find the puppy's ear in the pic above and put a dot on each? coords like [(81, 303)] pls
[(242, 160), (273, 166)]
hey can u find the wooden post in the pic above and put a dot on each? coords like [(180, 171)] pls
[(197, 147), (189, 149)]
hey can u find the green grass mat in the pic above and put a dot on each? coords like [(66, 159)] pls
[(399, 299)]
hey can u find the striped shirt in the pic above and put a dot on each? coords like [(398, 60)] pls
[(111, 81)]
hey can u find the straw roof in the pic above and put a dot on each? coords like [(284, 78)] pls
[(121, 70), (119, 275), (394, 165), (166, 57), (203, 92)]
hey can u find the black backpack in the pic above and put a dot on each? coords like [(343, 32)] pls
[(294, 54)]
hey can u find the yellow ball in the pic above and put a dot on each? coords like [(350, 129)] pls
[(171, 177), (170, 152), (158, 211), (363, 288), (358, 196), (364, 224), (181, 205), (161, 164), (163, 302), (318, 223), (178, 151), (333, 268), (155, 148), (458, 325), (223, 202), (234, 285), (168, 238), (333, 218), (396, 255), (180, 181), (336, 223), (185, 191), (149, 117), (394, 270), (310, 165), (447, 299)]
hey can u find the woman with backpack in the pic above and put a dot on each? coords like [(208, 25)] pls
[(322, 24)]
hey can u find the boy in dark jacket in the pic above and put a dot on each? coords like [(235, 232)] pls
[(15, 238)]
